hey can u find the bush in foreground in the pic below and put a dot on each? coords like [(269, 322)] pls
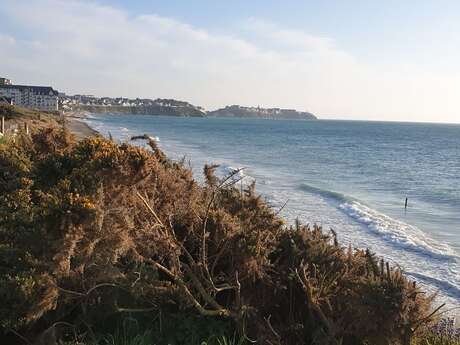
[(93, 230)]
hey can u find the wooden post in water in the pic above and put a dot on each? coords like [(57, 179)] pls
[(405, 204), (3, 125)]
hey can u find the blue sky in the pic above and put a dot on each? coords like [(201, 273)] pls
[(378, 30), (390, 60)]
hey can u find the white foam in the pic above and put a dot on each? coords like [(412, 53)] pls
[(398, 233)]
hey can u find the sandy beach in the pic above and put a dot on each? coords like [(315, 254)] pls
[(79, 128)]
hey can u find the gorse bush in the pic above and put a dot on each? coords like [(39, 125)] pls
[(94, 229), (6, 110), (11, 112)]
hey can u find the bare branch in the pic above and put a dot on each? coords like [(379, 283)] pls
[(189, 295), (267, 320), (281, 208), (420, 322)]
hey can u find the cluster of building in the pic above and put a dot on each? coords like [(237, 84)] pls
[(27, 96), (47, 99), (258, 112), (68, 102)]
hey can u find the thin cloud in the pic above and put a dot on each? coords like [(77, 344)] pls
[(6, 40)]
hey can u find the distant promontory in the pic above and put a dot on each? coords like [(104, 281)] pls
[(258, 112), (172, 107), (166, 107)]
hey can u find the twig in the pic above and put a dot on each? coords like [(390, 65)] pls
[(267, 319), (102, 285), (282, 207), (420, 322), (134, 310), (448, 310), (218, 256), (85, 294), (201, 289), (137, 279), (71, 292), (150, 209), (307, 288), (204, 233), (171, 228), (229, 176), (238, 291), (232, 182), (189, 295)]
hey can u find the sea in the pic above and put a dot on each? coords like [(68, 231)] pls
[(349, 176)]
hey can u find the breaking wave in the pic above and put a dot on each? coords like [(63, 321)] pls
[(393, 231)]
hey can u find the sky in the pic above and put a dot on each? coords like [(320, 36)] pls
[(368, 60)]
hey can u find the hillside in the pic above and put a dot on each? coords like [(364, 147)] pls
[(185, 111), (257, 112), (97, 235), (159, 106), (16, 117)]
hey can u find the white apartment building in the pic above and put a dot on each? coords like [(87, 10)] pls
[(36, 97)]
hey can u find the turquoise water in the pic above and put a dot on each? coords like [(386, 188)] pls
[(346, 175)]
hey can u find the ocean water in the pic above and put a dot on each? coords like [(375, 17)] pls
[(351, 176)]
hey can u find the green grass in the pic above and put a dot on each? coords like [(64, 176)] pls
[(186, 332)]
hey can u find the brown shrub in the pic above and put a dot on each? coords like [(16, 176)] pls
[(93, 228)]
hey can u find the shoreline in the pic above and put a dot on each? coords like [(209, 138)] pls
[(78, 127)]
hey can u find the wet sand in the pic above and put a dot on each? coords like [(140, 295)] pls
[(80, 129)]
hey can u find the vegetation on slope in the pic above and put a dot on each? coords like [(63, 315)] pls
[(11, 112), (186, 110), (17, 116), (93, 232)]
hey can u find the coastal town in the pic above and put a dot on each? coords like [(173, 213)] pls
[(46, 98), (74, 101)]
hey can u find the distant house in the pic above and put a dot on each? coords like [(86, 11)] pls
[(36, 97)]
